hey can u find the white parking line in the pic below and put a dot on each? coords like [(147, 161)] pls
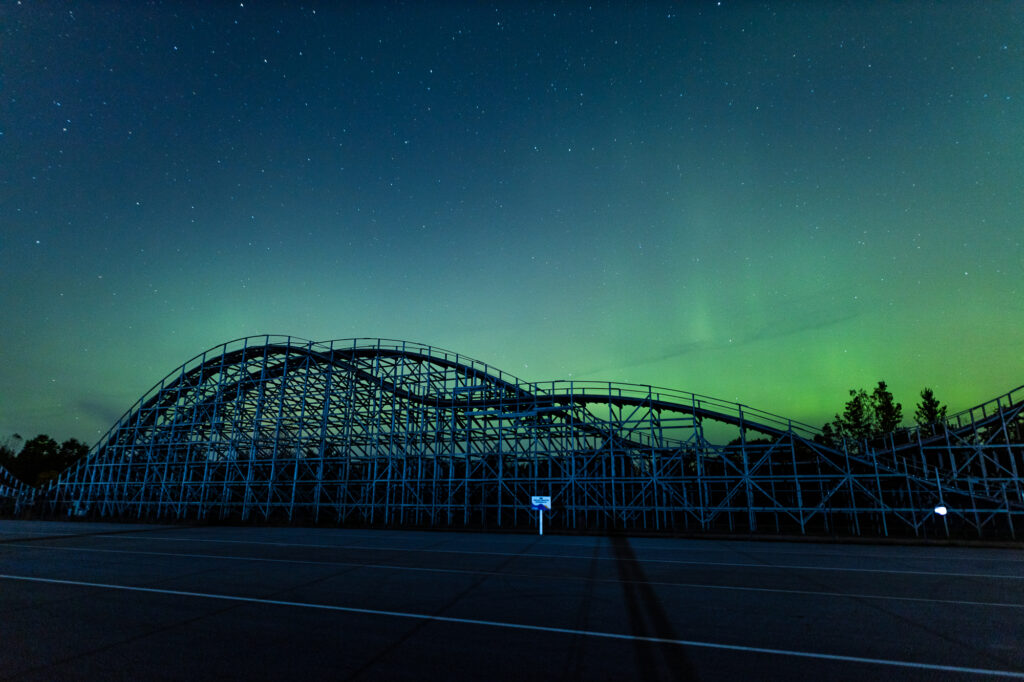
[(720, 564), (536, 628), (421, 569)]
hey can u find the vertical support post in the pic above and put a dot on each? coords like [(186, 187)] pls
[(796, 479), (1009, 515), (854, 508), (938, 487), (751, 520), (882, 507)]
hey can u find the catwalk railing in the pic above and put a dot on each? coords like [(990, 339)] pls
[(368, 431)]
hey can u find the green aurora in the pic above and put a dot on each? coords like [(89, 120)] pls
[(764, 203)]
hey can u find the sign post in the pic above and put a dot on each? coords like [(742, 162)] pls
[(540, 503)]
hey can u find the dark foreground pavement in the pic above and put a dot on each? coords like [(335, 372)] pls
[(131, 602)]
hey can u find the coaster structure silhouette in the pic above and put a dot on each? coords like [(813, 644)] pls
[(391, 433)]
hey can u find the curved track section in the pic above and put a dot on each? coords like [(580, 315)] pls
[(369, 431)]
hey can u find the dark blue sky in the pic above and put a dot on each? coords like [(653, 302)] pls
[(765, 202)]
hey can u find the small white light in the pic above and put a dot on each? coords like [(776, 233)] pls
[(941, 510)]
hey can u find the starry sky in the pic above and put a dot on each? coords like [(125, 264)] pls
[(764, 202)]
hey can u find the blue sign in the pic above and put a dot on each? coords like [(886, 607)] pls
[(541, 502)]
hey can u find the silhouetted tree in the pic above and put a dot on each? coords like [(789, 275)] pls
[(856, 421), (887, 412), (13, 444), (71, 451), (41, 459), (828, 435), (9, 449), (929, 410), (38, 456), (6, 456), (864, 416)]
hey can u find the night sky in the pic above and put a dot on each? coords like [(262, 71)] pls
[(770, 203)]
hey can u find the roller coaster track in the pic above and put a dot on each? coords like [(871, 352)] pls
[(548, 397), (545, 394), (13, 492), (444, 397)]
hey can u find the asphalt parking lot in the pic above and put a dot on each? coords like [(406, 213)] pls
[(101, 601)]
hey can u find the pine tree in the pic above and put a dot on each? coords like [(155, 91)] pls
[(864, 416), (887, 413), (929, 410), (855, 422)]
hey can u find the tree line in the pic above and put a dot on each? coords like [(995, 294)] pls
[(41, 459), (872, 415)]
